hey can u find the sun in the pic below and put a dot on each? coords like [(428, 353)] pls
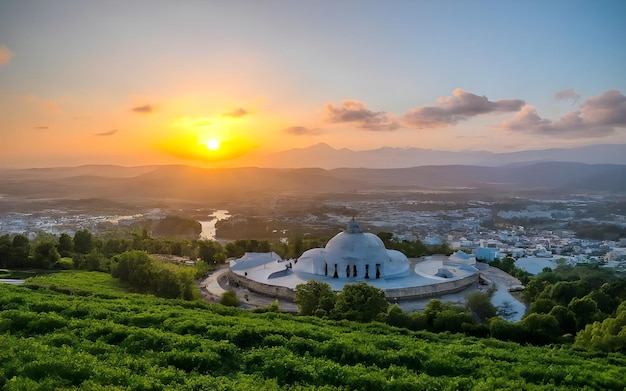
[(213, 144)]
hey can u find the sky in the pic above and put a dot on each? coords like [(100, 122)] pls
[(222, 83)]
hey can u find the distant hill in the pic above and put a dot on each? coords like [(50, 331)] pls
[(324, 156), (238, 184)]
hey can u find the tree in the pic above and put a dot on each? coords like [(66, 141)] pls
[(360, 302), (480, 304), (606, 303), (20, 251), (564, 291), (95, 261), (507, 331), (134, 267), (296, 247), (542, 306), (5, 250), (542, 328), (83, 241), (264, 246), (210, 251), (235, 249), (533, 289), (397, 317), (187, 286), (608, 335), (45, 255), (113, 247), (452, 321), (314, 297), (566, 319), (66, 245), (584, 310), (253, 246), (167, 284), (507, 264), (435, 307)]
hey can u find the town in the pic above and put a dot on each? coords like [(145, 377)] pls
[(537, 232)]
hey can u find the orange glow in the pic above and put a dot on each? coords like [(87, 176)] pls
[(207, 139)]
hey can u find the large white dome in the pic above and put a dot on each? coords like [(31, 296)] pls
[(353, 254), (356, 247)]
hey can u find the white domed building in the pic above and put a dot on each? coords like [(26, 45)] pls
[(353, 256)]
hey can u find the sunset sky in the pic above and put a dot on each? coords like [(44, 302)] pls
[(221, 83)]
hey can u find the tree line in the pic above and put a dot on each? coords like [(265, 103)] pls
[(87, 251), (582, 304)]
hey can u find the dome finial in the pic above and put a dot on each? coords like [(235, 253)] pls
[(353, 227)]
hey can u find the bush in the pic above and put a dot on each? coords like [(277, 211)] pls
[(397, 317), (507, 331), (65, 263), (230, 299)]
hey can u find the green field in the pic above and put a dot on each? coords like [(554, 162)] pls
[(82, 331), (80, 282)]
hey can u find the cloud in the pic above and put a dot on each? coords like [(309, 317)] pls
[(5, 55), (146, 109), (356, 112), (41, 127), (109, 133), (460, 107), (202, 123), (597, 117), (566, 95), (302, 131), (239, 112), (607, 109)]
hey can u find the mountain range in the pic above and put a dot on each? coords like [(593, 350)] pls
[(324, 156), (185, 183)]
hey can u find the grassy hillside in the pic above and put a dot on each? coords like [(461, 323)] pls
[(80, 336)]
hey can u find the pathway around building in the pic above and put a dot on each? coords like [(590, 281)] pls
[(215, 284)]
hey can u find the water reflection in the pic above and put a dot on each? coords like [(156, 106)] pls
[(208, 226)]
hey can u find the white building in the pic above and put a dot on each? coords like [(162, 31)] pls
[(353, 256)]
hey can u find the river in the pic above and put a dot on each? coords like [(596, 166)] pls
[(11, 281), (208, 226)]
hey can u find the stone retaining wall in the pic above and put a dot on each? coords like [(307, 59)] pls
[(421, 292), (417, 292), (278, 292)]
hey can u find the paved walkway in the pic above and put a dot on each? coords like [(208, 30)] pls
[(211, 284), (214, 285), (210, 288)]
